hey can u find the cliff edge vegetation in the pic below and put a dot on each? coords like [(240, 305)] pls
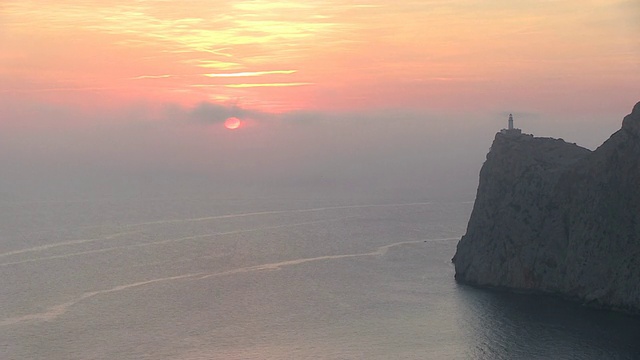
[(556, 218)]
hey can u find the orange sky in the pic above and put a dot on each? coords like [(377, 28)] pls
[(277, 56), (375, 95)]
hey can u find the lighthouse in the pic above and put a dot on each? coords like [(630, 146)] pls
[(510, 130)]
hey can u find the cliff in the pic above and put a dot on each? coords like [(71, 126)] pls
[(553, 217)]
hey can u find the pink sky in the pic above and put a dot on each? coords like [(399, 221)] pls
[(277, 56), (394, 94)]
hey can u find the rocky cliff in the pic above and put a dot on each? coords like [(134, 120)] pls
[(553, 217)]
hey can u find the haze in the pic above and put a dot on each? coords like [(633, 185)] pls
[(120, 98)]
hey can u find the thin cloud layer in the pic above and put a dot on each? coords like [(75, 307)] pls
[(326, 55)]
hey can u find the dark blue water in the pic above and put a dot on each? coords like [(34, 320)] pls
[(268, 278)]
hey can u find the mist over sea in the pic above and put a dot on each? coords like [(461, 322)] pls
[(286, 276), (253, 179)]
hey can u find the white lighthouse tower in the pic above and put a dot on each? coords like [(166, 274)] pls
[(510, 130)]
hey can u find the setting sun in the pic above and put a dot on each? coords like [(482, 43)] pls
[(319, 179), (232, 123)]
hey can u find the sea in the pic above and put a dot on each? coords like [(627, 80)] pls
[(268, 277)]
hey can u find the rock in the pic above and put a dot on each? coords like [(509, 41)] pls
[(553, 217), (631, 122)]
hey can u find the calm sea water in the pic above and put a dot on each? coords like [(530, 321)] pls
[(268, 278)]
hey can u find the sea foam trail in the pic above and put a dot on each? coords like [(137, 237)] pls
[(273, 212), (380, 251), (161, 242), (56, 311), (185, 220), (68, 243)]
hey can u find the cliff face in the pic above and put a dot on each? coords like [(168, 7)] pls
[(554, 217)]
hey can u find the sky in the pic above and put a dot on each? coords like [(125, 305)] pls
[(393, 96)]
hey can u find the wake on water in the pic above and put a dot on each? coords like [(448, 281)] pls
[(56, 311)]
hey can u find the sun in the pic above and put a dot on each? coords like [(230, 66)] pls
[(232, 123)]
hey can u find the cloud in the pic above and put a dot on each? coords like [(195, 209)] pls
[(268, 85), (251, 73), (152, 77), (211, 113)]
